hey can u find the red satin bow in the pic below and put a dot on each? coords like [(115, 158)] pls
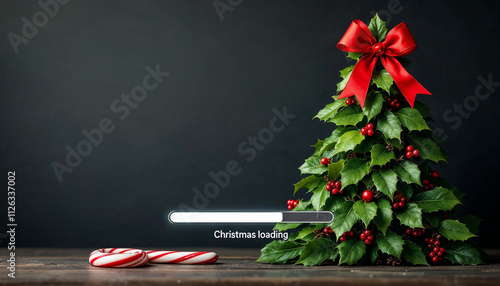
[(398, 43)]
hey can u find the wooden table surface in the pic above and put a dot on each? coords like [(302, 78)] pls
[(235, 267)]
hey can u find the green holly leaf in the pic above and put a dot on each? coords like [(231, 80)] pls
[(354, 170), (330, 110), (306, 205), (462, 253), (378, 28), (410, 215), (385, 180), (454, 230), (351, 251), (381, 155), (413, 253), (313, 166), (390, 243), (334, 170), (366, 145), (383, 80), (367, 180), (349, 115), (436, 200), (316, 251), (286, 226), (411, 119), (345, 218), (304, 233), (366, 211), (373, 105), (390, 126), (427, 148), (348, 141), (405, 189), (383, 218), (373, 254), (309, 183), (433, 218), (354, 56), (472, 223), (423, 109), (330, 142), (319, 197), (345, 74), (395, 142), (408, 172), (280, 251)]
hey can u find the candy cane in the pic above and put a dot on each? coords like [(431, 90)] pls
[(178, 257), (118, 257)]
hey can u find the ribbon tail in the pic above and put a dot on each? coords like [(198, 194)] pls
[(360, 78), (408, 85)]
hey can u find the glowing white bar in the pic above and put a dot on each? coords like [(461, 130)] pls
[(226, 217)]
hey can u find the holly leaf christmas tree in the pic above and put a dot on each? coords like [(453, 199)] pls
[(374, 171)]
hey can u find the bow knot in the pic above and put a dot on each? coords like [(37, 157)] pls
[(378, 49), (398, 43)]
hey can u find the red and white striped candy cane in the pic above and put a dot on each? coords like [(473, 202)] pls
[(118, 257), (178, 257)]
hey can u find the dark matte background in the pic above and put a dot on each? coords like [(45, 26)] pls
[(225, 79)]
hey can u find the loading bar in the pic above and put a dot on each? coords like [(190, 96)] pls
[(251, 217)]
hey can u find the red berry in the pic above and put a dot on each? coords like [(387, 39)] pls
[(398, 105), (368, 242), (442, 250), (415, 233), (341, 191), (409, 231), (432, 240), (402, 200), (370, 126), (431, 186), (426, 240), (370, 132), (348, 101), (435, 249), (329, 188), (425, 182), (432, 254), (416, 153), (342, 238), (367, 196), (289, 201), (388, 99), (338, 184), (401, 204), (362, 236), (393, 103), (363, 131), (429, 245), (409, 148), (324, 161), (440, 253), (435, 259), (435, 174), (289, 207), (335, 191), (370, 237), (437, 243), (409, 155), (395, 205), (295, 203), (351, 233), (367, 232)]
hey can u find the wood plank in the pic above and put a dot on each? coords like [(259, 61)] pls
[(236, 266)]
